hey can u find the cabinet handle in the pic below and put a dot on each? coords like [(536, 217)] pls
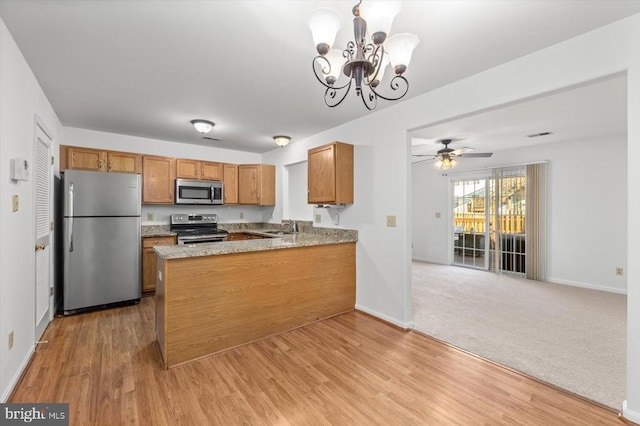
[(110, 165)]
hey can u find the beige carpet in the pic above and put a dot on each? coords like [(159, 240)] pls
[(571, 337)]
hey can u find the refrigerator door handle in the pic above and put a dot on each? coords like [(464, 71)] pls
[(70, 227)]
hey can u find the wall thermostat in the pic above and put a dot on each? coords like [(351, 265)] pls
[(19, 169)]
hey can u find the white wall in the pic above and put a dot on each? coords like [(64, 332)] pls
[(159, 214), (20, 99), (295, 202), (382, 170), (587, 209)]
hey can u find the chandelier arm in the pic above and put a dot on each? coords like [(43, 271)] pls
[(376, 60), (395, 84), (319, 76), (372, 103), (331, 92)]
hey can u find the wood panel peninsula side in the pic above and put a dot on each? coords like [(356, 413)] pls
[(208, 303)]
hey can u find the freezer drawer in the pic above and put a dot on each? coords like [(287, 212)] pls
[(101, 262)]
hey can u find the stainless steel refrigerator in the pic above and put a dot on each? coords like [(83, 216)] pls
[(101, 239)]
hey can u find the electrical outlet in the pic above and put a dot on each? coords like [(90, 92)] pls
[(391, 221), (619, 271), (318, 218), (11, 340), (16, 202), (150, 217), (241, 215)]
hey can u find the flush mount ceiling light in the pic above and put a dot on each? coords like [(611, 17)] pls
[(203, 126), (362, 61), (281, 140)]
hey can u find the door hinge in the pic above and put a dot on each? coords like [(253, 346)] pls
[(50, 291), (52, 160), (52, 226)]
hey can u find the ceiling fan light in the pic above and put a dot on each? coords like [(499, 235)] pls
[(282, 140), (400, 48), (448, 163), (324, 23), (203, 126)]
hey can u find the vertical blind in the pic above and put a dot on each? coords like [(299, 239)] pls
[(535, 224)]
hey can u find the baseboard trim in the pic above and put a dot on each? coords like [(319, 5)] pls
[(403, 325), (18, 375), (632, 416), (428, 260), (585, 285)]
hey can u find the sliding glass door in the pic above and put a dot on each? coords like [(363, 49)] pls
[(489, 216), (470, 232)]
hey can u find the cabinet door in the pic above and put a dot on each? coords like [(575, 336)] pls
[(210, 171), (257, 184), (187, 169), (149, 266), (248, 188), (158, 179), (124, 162), (86, 159), (230, 180), (149, 260), (322, 171)]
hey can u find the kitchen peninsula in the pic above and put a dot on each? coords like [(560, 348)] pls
[(216, 296)]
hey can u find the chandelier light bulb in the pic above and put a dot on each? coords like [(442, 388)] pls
[(324, 23), (203, 126), (400, 48), (379, 16)]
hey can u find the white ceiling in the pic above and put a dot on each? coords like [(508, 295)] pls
[(146, 68), (593, 110)]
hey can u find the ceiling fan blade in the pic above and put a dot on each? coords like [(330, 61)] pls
[(423, 155), (476, 154), (211, 138), (462, 150)]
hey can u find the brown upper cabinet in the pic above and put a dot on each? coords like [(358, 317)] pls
[(330, 174), (72, 157), (194, 169), (257, 184), (158, 179), (230, 181)]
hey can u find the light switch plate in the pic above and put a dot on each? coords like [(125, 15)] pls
[(16, 203), (391, 221), (318, 218), (241, 215)]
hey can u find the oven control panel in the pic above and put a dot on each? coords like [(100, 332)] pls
[(193, 219)]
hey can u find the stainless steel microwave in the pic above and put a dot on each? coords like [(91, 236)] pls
[(198, 192)]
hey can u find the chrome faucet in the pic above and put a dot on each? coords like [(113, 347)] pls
[(294, 226)]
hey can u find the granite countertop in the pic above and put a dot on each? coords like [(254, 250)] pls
[(157, 231), (320, 236)]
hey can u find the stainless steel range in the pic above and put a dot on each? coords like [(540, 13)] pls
[(197, 228)]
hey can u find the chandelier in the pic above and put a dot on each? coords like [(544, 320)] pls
[(363, 61)]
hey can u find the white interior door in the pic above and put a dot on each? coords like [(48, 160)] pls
[(43, 183)]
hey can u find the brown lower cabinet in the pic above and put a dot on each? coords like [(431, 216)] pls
[(239, 236), (149, 262)]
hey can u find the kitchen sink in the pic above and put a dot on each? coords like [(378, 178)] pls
[(277, 232)]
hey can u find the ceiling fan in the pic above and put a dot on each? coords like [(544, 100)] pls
[(446, 157)]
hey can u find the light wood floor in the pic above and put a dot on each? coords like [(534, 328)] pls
[(351, 369)]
